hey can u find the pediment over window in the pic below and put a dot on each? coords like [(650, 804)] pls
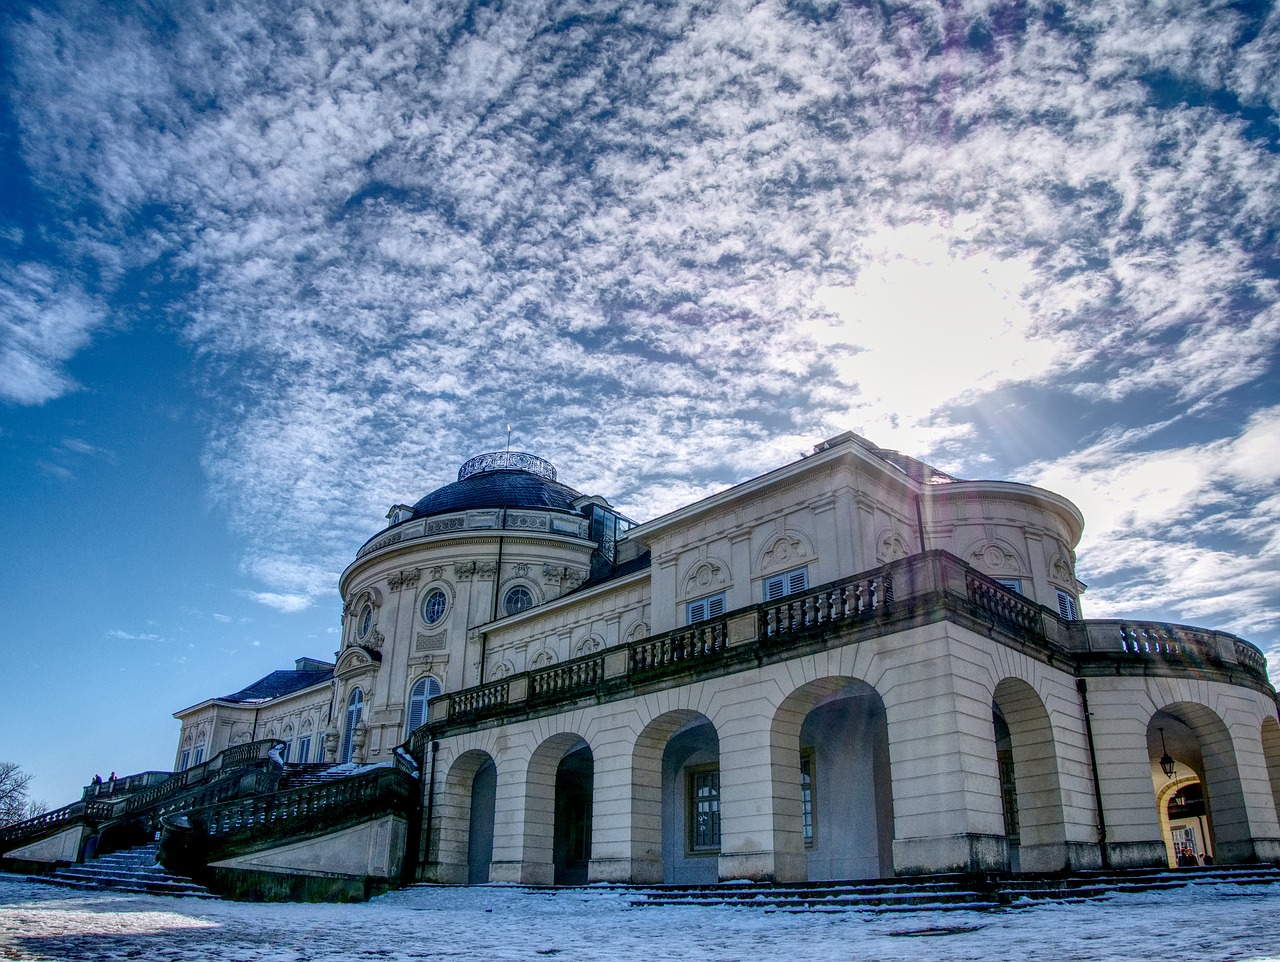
[(997, 558), (891, 546), (355, 660), (787, 550), (707, 575)]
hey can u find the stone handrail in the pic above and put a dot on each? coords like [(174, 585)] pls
[(474, 701), (1182, 644), (123, 786), (122, 803), (931, 578), (370, 792), (673, 648), (822, 606), (563, 679)]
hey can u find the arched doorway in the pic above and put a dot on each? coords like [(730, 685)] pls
[(464, 817), (484, 794), (838, 768), (571, 846), (1030, 787), (1271, 752), (559, 785), (675, 786), (1197, 786)]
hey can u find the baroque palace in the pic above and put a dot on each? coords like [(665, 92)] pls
[(854, 666)]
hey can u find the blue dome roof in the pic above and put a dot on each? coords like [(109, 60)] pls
[(501, 480)]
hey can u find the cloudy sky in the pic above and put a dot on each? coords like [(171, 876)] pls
[(267, 269)]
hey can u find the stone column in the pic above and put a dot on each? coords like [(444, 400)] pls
[(760, 823)]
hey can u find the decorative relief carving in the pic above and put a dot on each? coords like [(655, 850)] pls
[(590, 644), (375, 639), (508, 461), (994, 557), (563, 575), (403, 579), (789, 548), (486, 569), (501, 670), (435, 573), (892, 547), (542, 659), (441, 525), (537, 522), (393, 538), (425, 642), (1062, 571), (463, 570), (522, 570), (705, 576), (637, 631)]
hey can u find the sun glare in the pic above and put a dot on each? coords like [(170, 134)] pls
[(922, 326)]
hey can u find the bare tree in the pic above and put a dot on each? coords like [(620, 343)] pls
[(15, 803)]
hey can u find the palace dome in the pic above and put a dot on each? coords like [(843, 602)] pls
[(502, 479)]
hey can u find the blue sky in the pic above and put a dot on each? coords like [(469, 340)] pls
[(267, 269)]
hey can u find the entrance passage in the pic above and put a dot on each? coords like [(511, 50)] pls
[(571, 849)]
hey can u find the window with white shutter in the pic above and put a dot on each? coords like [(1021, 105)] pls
[(787, 583), (1067, 607), (424, 689), (700, 609)]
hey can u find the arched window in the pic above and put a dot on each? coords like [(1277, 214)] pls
[(355, 707), (434, 606), (424, 689), (518, 599), (366, 622)]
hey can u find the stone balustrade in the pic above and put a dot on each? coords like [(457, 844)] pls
[(932, 582)]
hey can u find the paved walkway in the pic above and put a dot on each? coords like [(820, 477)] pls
[(1209, 923)]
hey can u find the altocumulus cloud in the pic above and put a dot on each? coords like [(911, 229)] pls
[(676, 244)]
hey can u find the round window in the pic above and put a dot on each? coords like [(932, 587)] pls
[(518, 599), (366, 620), (433, 606)]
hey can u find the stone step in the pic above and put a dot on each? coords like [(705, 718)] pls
[(948, 892), (133, 870)]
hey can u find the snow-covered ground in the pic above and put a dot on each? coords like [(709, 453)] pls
[(490, 924)]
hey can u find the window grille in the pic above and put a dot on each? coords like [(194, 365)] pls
[(704, 809)]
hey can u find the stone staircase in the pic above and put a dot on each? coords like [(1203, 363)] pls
[(132, 870), (949, 892)]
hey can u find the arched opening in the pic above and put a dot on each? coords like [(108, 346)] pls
[(424, 689), (571, 847), (1030, 787), (355, 708), (484, 794), (837, 770), (1271, 752), (558, 793), (464, 820), (1197, 786), (675, 798)]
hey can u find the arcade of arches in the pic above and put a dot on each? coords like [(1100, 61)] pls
[(844, 779)]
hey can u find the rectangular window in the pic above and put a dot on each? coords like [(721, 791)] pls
[(704, 809), (284, 755), (304, 749), (712, 606), (1067, 607), (806, 794), (186, 760), (1013, 584), (787, 583), (199, 756)]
